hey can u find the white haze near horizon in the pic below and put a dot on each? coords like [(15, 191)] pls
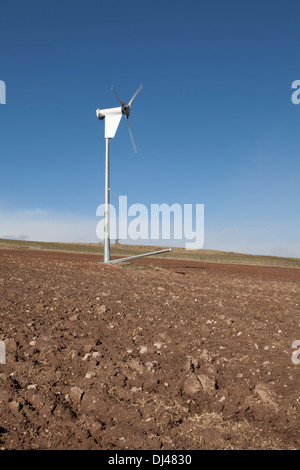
[(41, 225)]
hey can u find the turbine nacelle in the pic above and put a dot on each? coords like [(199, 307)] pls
[(99, 115), (113, 116), (112, 120)]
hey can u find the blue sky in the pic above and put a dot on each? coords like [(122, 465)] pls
[(214, 124)]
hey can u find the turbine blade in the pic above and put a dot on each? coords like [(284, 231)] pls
[(114, 91), (134, 147), (135, 95)]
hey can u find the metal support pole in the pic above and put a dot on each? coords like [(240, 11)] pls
[(106, 205), (129, 258)]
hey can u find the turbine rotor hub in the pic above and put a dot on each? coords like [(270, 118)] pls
[(125, 109)]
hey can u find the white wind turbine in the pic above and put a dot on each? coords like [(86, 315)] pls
[(112, 118)]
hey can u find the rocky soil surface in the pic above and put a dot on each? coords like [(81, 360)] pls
[(156, 354)]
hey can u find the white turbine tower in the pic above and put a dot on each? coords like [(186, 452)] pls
[(112, 118)]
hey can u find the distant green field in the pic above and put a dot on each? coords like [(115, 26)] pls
[(177, 253)]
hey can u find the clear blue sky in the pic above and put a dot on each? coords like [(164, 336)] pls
[(214, 124)]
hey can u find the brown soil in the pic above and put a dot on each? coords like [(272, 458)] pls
[(156, 354)]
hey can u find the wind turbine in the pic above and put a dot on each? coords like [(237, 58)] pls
[(112, 118)]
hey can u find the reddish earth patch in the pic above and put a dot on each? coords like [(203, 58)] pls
[(158, 354)]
